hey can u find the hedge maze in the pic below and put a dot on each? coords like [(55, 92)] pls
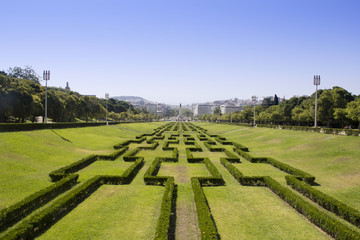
[(183, 143)]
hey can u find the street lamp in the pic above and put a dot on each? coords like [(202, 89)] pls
[(316, 83), (254, 99), (46, 77), (107, 97)]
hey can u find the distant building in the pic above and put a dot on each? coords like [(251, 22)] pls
[(67, 86), (228, 109), (201, 109), (151, 107)]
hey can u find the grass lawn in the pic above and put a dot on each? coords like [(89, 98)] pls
[(131, 211), (334, 160), (26, 158), (112, 212)]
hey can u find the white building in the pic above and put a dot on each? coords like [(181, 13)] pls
[(201, 109), (151, 107), (228, 109)]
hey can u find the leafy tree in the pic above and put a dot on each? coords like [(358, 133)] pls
[(353, 111), (217, 111), (26, 73)]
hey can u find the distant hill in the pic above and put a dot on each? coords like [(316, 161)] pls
[(133, 100)]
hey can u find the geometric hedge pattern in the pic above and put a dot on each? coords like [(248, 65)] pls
[(63, 196)]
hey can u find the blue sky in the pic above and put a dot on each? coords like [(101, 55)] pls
[(186, 51)]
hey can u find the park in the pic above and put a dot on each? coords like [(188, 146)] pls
[(179, 180)]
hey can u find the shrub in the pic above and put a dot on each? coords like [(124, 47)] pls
[(166, 212), (14, 213), (130, 156), (349, 214), (333, 227), (71, 168), (206, 223), (114, 155)]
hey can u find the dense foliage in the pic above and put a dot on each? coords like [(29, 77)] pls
[(23, 100), (336, 108)]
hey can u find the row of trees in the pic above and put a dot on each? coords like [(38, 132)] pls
[(22, 98), (336, 108)]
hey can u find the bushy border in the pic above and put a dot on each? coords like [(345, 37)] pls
[(166, 212), (127, 142), (31, 227), (16, 212), (349, 214), (206, 222), (333, 227)]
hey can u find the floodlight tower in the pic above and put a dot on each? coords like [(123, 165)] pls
[(254, 99), (316, 83), (46, 77), (107, 98)]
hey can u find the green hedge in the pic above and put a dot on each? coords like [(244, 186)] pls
[(127, 142), (151, 147), (167, 211), (231, 157), (114, 155), (71, 168), (349, 214), (332, 226), (240, 146), (130, 156), (37, 223), (308, 178), (16, 212), (282, 166), (10, 127), (206, 223)]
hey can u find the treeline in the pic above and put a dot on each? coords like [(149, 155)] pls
[(23, 100), (336, 108)]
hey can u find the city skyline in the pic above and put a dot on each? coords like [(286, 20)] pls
[(188, 52)]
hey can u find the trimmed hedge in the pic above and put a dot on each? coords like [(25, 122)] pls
[(71, 168), (282, 166), (114, 155), (332, 226), (240, 146), (32, 226), (16, 212), (151, 147), (166, 213), (11, 127), (127, 142), (213, 149), (206, 222), (130, 156), (349, 214)]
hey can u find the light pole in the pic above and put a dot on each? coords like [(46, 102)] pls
[(316, 83), (107, 97), (46, 77), (254, 99)]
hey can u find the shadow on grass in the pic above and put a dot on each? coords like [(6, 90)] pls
[(67, 140)]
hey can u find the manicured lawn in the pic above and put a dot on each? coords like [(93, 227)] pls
[(28, 157), (334, 160), (112, 212)]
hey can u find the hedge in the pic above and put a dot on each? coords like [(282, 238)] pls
[(332, 226), (114, 155), (151, 147), (211, 148), (206, 223), (349, 214), (127, 142), (71, 168), (37, 223), (240, 146), (130, 156), (166, 218), (282, 166), (10, 127), (16, 212)]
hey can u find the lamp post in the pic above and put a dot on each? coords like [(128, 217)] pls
[(46, 77), (316, 83), (254, 99), (107, 97)]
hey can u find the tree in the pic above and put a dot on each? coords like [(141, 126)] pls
[(353, 111), (217, 111), (26, 73)]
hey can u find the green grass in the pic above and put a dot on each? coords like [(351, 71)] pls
[(334, 160), (131, 211), (112, 212), (26, 158)]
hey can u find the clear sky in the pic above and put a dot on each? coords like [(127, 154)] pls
[(185, 51)]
